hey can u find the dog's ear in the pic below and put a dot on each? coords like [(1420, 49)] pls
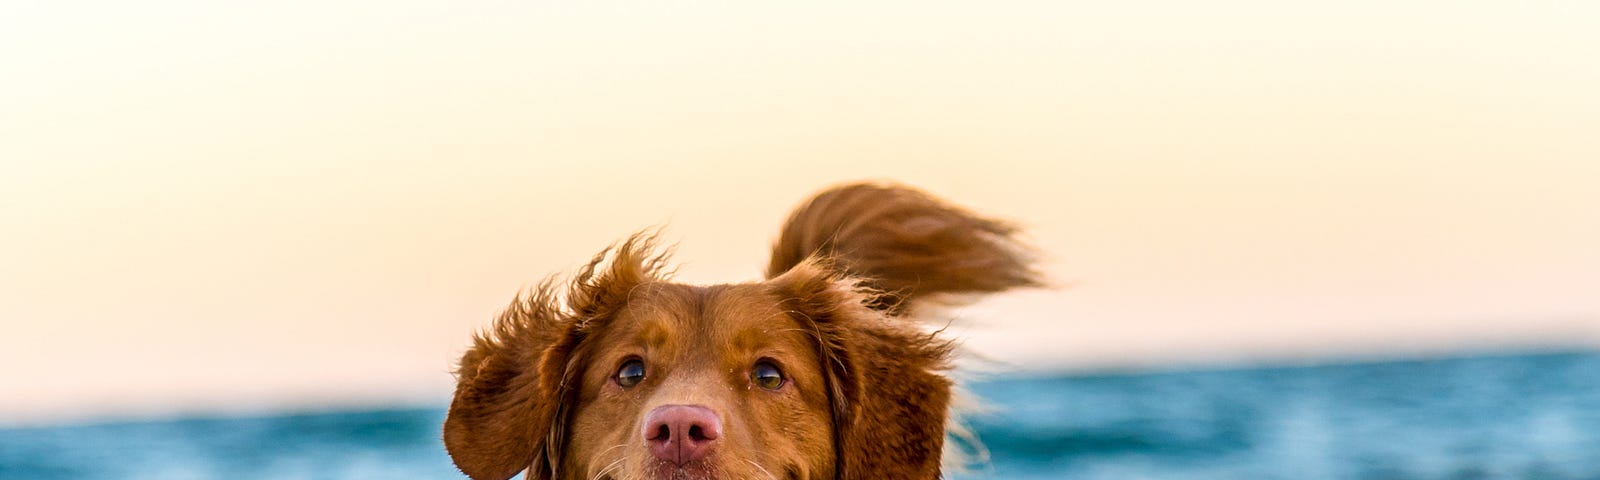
[(889, 400), (516, 385), (503, 400), (909, 245)]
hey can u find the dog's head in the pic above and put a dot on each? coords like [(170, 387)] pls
[(623, 374), (638, 377)]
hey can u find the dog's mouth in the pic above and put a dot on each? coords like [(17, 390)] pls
[(701, 470), (695, 470)]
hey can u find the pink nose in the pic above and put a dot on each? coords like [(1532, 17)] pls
[(681, 433)]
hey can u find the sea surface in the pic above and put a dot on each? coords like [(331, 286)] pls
[(1494, 417)]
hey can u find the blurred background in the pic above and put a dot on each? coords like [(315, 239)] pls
[(1300, 241)]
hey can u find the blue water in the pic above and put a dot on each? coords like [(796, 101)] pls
[(1522, 417)]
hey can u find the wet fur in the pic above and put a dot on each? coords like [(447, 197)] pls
[(867, 399)]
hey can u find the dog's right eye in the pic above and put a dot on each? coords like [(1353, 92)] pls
[(630, 373)]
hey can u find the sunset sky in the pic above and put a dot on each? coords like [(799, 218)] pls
[(215, 206)]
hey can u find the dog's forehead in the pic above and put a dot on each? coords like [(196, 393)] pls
[(736, 315)]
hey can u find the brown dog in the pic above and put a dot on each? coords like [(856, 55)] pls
[(819, 372)]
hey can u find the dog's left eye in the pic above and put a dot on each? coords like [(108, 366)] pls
[(767, 375)]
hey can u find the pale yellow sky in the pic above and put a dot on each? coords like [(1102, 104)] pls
[(303, 203)]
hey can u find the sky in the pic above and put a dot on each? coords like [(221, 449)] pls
[(206, 205)]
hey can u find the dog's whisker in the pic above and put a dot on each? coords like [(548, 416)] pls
[(610, 448), (763, 469), (608, 468), (615, 464)]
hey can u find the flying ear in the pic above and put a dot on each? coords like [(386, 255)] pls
[(515, 386), (502, 401), (889, 400), (909, 245)]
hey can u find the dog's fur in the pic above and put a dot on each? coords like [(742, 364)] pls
[(864, 395)]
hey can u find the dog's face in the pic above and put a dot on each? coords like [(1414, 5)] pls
[(701, 382), (634, 377)]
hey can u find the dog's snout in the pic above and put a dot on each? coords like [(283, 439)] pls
[(681, 433)]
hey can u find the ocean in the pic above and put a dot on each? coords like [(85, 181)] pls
[(1534, 416)]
